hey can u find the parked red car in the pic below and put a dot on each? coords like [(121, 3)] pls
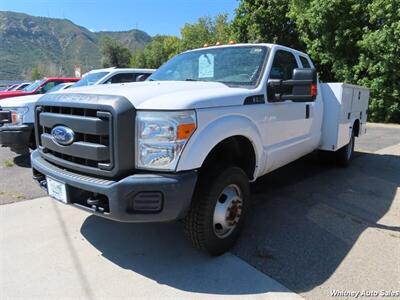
[(38, 87)]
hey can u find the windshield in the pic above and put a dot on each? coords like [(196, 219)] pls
[(33, 86), (21, 86), (234, 66), (90, 79)]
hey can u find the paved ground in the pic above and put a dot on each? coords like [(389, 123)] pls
[(313, 228), (16, 182), (316, 228), (49, 250)]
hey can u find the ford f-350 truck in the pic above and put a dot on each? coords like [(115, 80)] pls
[(185, 144)]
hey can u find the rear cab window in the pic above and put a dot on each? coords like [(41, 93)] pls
[(305, 62), (125, 77)]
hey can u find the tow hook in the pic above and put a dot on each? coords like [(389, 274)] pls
[(94, 203)]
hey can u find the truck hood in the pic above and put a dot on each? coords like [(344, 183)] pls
[(169, 95), (20, 101)]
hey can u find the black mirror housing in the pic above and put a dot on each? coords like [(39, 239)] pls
[(305, 74), (302, 85)]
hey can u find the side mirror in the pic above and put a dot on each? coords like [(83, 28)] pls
[(141, 77), (301, 88)]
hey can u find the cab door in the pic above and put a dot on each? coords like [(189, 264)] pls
[(288, 123)]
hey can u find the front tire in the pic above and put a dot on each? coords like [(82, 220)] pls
[(218, 209)]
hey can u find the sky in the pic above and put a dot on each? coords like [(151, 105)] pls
[(151, 16)]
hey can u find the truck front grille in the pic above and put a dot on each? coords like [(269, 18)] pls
[(98, 147), (92, 128)]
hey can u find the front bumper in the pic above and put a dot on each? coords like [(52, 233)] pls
[(136, 198), (16, 136)]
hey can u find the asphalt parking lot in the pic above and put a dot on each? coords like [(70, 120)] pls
[(314, 229)]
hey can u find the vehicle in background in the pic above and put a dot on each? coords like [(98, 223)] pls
[(38, 87), (21, 86), (18, 87), (59, 87), (11, 87), (14, 132), (17, 132), (113, 75)]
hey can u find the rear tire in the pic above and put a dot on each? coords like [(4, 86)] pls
[(218, 209), (343, 155)]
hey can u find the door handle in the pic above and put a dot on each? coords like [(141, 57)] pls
[(307, 111)]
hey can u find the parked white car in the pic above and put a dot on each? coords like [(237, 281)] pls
[(17, 114), (186, 143), (18, 87)]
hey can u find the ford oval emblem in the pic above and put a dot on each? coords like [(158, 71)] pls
[(63, 135)]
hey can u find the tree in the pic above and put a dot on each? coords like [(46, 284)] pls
[(36, 73), (331, 29), (114, 54), (158, 51), (355, 41), (379, 62), (266, 21), (45, 69), (206, 31)]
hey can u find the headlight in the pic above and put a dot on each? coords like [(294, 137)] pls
[(17, 114), (161, 137)]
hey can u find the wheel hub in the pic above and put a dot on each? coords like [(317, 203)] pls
[(228, 211)]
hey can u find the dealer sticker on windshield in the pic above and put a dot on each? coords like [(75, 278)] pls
[(206, 66)]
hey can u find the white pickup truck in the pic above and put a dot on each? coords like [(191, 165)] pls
[(17, 114), (186, 143)]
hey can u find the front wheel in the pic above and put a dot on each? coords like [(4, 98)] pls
[(218, 209)]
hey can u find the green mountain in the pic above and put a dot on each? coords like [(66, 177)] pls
[(57, 44)]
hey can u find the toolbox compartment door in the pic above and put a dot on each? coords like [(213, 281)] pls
[(343, 104)]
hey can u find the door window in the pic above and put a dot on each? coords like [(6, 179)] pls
[(282, 68), (48, 86), (121, 78), (283, 65)]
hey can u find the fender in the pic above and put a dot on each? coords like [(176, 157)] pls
[(205, 139)]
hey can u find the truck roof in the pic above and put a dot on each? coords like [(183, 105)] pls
[(62, 78), (113, 69), (269, 45)]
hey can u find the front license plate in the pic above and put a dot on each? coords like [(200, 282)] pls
[(57, 190)]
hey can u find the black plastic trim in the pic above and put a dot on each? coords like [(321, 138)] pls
[(15, 135), (78, 149), (176, 190), (256, 99), (88, 125), (121, 114), (5, 116)]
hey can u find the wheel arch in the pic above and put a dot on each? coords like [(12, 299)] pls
[(238, 134), (356, 127)]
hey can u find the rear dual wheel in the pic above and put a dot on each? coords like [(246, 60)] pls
[(218, 209), (343, 155)]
